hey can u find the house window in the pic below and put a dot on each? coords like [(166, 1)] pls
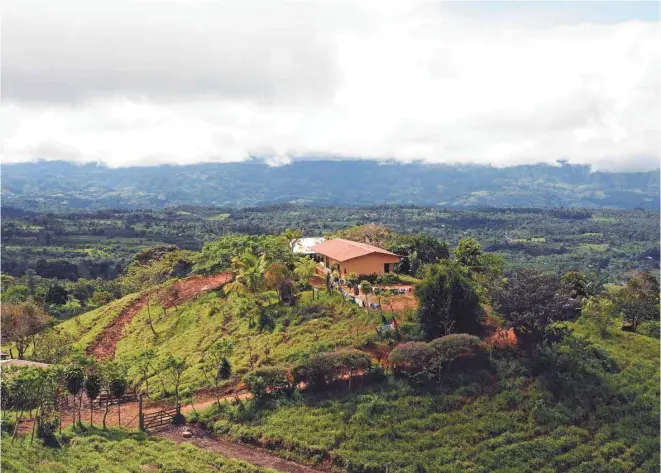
[(386, 267)]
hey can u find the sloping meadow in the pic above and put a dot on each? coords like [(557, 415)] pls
[(284, 335), (590, 405)]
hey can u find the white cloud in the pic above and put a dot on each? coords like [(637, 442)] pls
[(153, 82)]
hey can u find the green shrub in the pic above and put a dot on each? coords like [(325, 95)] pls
[(651, 329), (268, 380), (457, 349), (324, 368), (413, 359), (47, 426), (387, 278)]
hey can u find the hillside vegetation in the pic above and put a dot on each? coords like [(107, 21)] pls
[(189, 330), (599, 412), (115, 451), (481, 367)]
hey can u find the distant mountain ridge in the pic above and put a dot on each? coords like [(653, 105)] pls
[(59, 185)]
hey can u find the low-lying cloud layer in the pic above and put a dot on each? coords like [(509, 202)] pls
[(150, 82)]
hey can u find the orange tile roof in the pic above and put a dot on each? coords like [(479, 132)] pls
[(343, 250)]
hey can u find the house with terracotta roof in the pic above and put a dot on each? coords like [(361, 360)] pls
[(354, 257)]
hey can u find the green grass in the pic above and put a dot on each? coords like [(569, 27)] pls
[(187, 331), (86, 327), (408, 279), (115, 451), (600, 421)]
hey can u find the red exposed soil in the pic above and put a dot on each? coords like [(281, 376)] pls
[(105, 344), (192, 287), (502, 338)]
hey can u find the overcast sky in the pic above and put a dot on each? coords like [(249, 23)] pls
[(147, 82)]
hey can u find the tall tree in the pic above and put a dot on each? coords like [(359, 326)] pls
[(638, 302), (533, 304), (117, 388), (74, 379), (292, 235), (92, 389), (21, 323), (175, 368), (417, 250), (215, 364), (447, 302), (468, 254)]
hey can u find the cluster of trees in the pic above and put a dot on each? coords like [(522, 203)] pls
[(532, 303), (317, 372), (426, 362), (452, 290), (38, 391), (60, 298), (101, 244), (455, 287)]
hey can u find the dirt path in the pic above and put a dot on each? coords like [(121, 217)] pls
[(105, 344), (257, 456)]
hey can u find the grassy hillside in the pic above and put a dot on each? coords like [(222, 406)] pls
[(115, 452), (589, 408), (86, 327), (188, 330)]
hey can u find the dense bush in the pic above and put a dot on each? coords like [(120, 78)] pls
[(322, 369), (412, 358), (424, 362), (459, 349), (47, 426), (388, 278), (265, 380)]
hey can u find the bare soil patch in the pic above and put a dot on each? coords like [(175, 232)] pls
[(106, 343)]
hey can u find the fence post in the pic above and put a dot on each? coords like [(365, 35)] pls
[(141, 417)]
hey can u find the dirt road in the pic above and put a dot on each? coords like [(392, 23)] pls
[(105, 344), (254, 455)]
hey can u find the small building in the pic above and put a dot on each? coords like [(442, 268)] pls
[(354, 257)]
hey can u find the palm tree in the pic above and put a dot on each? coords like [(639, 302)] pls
[(249, 273), (293, 235)]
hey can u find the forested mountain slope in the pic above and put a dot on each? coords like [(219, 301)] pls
[(61, 185)]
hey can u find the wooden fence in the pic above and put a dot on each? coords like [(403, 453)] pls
[(105, 395), (153, 420)]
